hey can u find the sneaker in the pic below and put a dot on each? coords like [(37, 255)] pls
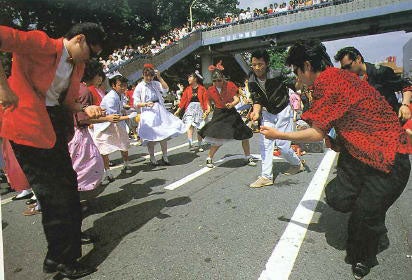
[(295, 169), (209, 163), (153, 162), (200, 149), (165, 161), (360, 270), (126, 169), (250, 161), (261, 182), (108, 179)]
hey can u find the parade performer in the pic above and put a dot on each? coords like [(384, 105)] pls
[(381, 77), (373, 167), (270, 95), (40, 93), (156, 123), (226, 123), (112, 136), (195, 105)]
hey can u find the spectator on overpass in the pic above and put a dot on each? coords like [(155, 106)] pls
[(373, 166)]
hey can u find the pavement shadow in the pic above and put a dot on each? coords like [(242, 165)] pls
[(114, 226), (109, 202), (182, 158), (332, 223)]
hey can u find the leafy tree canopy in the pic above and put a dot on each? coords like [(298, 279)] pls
[(125, 21)]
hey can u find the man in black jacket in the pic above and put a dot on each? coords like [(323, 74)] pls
[(270, 95), (381, 77)]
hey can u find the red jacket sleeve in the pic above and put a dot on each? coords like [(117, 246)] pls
[(24, 42), (184, 101)]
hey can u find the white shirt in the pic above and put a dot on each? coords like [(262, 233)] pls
[(61, 80)]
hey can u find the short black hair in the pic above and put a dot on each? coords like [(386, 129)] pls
[(309, 50), (93, 68), (120, 78), (94, 33), (351, 52), (261, 54)]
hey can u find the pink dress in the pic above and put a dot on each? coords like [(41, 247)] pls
[(86, 159), (15, 175)]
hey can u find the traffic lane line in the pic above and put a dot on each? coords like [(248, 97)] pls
[(282, 260)]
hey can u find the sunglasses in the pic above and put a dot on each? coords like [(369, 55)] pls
[(92, 53), (347, 66)]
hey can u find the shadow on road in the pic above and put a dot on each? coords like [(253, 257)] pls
[(106, 203), (332, 223), (114, 226)]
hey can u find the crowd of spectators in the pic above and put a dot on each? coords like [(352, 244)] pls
[(121, 56)]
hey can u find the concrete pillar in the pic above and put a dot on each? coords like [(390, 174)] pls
[(206, 60)]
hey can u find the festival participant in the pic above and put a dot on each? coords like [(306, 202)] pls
[(42, 88), (195, 105), (226, 123), (381, 77), (156, 124), (270, 95), (111, 136), (373, 166), (86, 158)]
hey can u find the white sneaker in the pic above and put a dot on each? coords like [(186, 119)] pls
[(251, 161), (200, 149), (209, 163), (261, 182)]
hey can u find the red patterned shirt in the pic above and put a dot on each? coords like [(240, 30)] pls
[(365, 123)]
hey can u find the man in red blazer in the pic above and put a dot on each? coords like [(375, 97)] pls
[(36, 102)]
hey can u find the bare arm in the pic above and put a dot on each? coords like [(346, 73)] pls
[(312, 134)]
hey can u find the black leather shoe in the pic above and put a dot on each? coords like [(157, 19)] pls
[(31, 201), (75, 270), (360, 270), (49, 266), (87, 238)]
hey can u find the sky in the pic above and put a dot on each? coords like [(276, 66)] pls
[(375, 48)]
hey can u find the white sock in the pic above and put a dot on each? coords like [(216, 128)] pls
[(107, 173), (23, 193)]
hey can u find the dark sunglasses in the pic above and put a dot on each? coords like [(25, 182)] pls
[(92, 53), (347, 66)]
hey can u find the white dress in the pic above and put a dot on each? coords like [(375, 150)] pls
[(156, 123), (111, 137)]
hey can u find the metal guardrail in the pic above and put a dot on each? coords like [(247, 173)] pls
[(256, 28)]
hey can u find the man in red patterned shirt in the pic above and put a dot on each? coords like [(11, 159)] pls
[(373, 167)]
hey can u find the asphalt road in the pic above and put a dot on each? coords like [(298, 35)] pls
[(154, 225)]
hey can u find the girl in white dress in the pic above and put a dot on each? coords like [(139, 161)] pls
[(156, 123)]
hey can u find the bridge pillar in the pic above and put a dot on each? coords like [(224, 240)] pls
[(206, 60)]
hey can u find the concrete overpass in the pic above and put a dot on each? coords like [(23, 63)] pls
[(328, 21)]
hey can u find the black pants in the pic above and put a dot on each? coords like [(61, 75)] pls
[(51, 176), (367, 193)]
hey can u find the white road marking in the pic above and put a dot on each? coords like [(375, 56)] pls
[(204, 170), (7, 200), (282, 260)]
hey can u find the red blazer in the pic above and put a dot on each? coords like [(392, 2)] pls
[(187, 96), (35, 60)]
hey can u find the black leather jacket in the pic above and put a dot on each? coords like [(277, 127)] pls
[(275, 96), (385, 80)]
